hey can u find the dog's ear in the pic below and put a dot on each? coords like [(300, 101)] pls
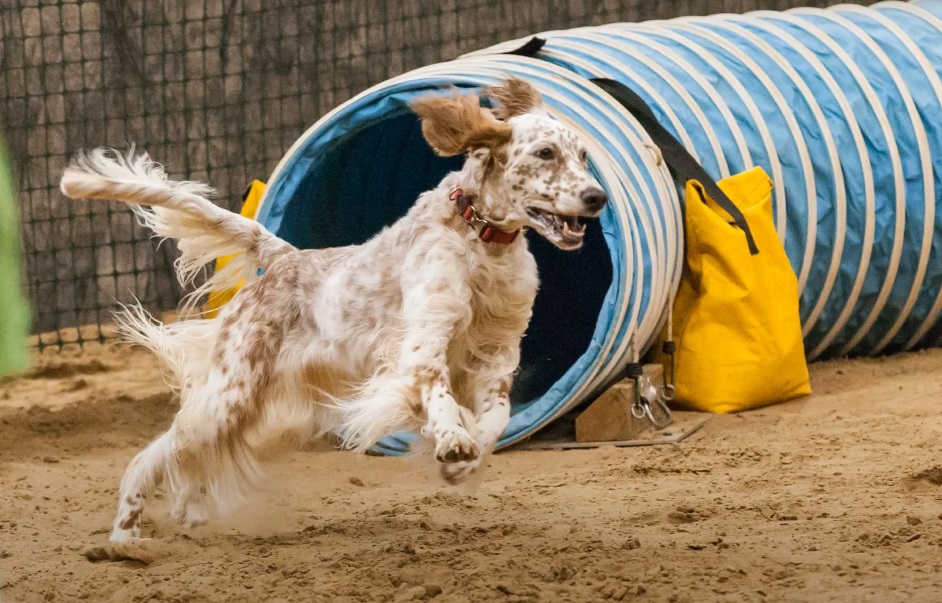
[(515, 97), (455, 124)]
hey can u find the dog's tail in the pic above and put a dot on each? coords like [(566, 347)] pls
[(183, 347), (177, 210)]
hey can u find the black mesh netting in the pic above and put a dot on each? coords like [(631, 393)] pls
[(216, 90)]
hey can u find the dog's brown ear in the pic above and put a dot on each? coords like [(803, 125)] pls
[(515, 97), (455, 124)]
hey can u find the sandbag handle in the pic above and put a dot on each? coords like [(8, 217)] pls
[(675, 154)]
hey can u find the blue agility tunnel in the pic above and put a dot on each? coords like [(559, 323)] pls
[(842, 107)]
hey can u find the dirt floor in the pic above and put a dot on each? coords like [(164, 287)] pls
[(832, 498)]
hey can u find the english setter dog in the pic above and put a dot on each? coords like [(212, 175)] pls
[(418, 329)]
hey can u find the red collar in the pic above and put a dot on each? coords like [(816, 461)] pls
[(487, 231)]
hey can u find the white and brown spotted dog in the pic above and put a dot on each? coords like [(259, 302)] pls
[(417, 329)]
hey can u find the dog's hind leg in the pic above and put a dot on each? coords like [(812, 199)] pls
[(155, 464), (206, 447), (144, 473), (214, 459)]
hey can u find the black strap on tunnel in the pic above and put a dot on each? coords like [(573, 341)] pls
[(678, 159), (529, 48), (675, 155)]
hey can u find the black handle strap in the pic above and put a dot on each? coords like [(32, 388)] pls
[(678, 159)]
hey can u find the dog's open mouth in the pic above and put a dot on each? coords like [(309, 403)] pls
[(567, 229)]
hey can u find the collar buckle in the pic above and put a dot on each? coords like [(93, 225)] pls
[(486, 231)]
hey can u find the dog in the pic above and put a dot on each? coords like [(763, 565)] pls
[(418, 329)]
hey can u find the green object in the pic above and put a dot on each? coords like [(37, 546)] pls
[(14, 309)]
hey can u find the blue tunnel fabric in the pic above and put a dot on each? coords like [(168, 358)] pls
[(840, 106)]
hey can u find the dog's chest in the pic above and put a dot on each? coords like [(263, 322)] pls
[(502, 293)]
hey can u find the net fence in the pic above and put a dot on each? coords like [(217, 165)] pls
[(217, 90)]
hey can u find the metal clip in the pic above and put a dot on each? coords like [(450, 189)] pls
[(668, 392), (474, 219), (469, 214), (647, 398), (662, 410), (647, 395)]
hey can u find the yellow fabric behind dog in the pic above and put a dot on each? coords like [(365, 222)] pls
[(736, 323), (250, 201)]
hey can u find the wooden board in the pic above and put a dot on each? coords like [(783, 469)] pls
[(609, 418), (685, 425)]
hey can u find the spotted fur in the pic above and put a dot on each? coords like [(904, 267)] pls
[(417, 329)]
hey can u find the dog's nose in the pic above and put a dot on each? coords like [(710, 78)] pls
[(594, 198)]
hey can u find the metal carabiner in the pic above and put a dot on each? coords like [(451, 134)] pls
[(664, 410), (642, 406), (668, 391), (638, 409)]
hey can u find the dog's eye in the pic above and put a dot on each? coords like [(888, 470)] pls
[(545, 153)]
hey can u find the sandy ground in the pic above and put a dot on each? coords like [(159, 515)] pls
[(832, 498)]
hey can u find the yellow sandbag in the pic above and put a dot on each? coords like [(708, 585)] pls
[(737, 329), (250, 201)]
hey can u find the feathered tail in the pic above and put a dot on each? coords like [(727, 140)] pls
[(177, 210)]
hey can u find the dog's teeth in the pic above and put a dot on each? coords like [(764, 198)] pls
[(568, 230)]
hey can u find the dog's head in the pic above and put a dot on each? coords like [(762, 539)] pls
[(530, 170)]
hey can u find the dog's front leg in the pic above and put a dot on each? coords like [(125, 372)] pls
[(436, 306), (492, 407), (446, 426)]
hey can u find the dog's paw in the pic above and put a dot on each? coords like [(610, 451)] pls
[(455, 446), (190, 514), (119, 536), (460, 472)]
